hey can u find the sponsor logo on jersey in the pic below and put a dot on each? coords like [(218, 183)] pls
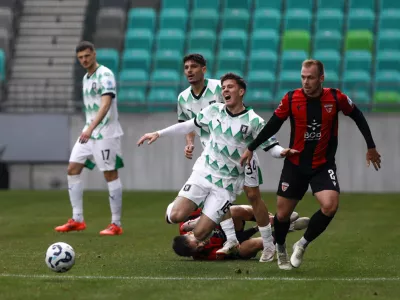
[(244, 128)]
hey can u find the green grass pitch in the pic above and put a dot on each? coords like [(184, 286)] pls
[(356, 258)]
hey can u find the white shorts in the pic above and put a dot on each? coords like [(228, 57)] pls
[(214, 200), (253, 175), (106, 154)]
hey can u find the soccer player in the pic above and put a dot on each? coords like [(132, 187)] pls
[(217, 175), (201, 93), (313, 112), (99, 143), (186, 244)]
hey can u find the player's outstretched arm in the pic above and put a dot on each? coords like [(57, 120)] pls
[(189, 145)]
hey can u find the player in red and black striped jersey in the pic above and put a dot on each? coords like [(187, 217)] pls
[(313, 113)]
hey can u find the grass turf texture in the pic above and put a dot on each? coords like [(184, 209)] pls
[(356, 258)]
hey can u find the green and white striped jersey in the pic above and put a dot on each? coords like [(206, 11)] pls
[(101, 82)]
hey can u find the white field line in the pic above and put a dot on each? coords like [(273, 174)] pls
[(238, 278)]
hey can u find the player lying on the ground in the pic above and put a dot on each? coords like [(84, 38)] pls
[(186, 244)]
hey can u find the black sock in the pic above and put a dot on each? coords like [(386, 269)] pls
[(281, 230), (317, 225), (246, 234)]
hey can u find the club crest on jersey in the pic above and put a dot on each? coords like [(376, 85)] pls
[(285, 186), (94, 86), (244, 128), (328, 108)]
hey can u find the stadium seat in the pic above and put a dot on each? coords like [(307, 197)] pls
[(234, 59), (264, 40), (202, 39), (270, 4), (300, 4), (292, 60), (235, 19), (111, 18), (361, 19), (237, 4), (142, 18), (362, 4), (108, 58), (388, 60), (331, 78), (136, 59), (206, 4), (267, 20), (181, 4), (204, 19), (139, 39), (296, 40), (329, 19), (173, 19), (158, 96), (388, 40), (328, 40), (329, 4), (389, 5), (361, 98), (389, 19), (391, 98), (330, 58), (356, 80), (109, 39), (221, 72), (263, 60), (233, 40), (259, 96), (359, 40), (129, 96), (165, 79), (261, 80), (170, 39), (289, 80), (169, 60), (357, 60), (387, 81), (133, 79), (298, 19), (2, 65), (114, 3)]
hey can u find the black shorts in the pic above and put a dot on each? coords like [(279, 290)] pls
[(294, 183)]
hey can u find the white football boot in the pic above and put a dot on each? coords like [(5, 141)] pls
[(297, 257), (283, 258)]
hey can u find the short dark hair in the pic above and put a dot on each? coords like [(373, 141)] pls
[(309, 62), (82, 46), (239, 80), (195, 57), (181, 246)]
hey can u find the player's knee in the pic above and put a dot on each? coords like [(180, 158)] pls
[(330, 209), (110, 175), (73, 169), (282, 216)]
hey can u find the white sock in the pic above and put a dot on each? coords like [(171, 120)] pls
[(75, 190), (229, 229), (115, 197), (266, 235), (168, 213), (303, 242)]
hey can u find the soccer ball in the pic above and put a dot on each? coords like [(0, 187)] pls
[(60, 257)]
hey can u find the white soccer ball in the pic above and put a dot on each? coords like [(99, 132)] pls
[(60, 257)]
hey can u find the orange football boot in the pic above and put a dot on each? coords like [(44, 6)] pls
[(112, 229), (71, 225)]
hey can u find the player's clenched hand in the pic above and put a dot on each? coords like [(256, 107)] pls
[(152, 137), (189, 151), (85, 136), (374, 157), (246, 157), (287, 152)]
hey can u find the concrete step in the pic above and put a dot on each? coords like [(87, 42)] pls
[(50, 25), (26, 39)]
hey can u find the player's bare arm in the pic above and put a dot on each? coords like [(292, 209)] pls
[(189, 144), (104, 108)]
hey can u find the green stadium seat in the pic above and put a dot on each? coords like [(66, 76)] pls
[(361, 19), (329, 4), (296, 40), (221, 72), (389, 5), (206, 4), (233, 40), (170, 39), (289, 80), (162, 99), (299, 19), (136, 59), (128, 97), (359, 40), (362, 4), (2, 65), (270, 4), (204, 19), (300, 4), (168, 60), (329, 19), (235, 19), (263, 60), (108, 58), (389, 19), (261, 80), (267, 19), (331, 78), (165, 78), (292, 60), (264, 40), (234, 59), (330, 58), (133, 79), (182, 4), (142, 18), (356, 60), (241, 4), (388, 60), (202, 39), (328, 40), (391, 98), (139, 39), (361, 98), (387, 81), (356, 80), (173, 19), (388, 40), (260, 96)]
